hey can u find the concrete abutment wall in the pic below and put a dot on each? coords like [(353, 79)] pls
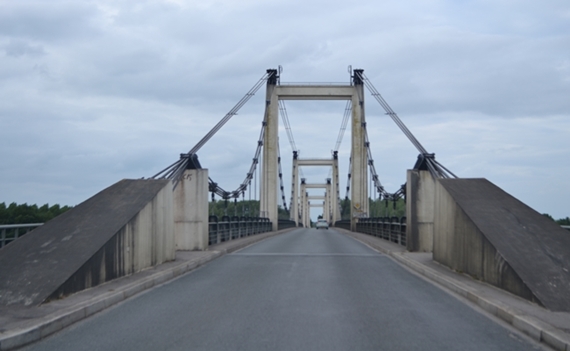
[(481, 230), (191, 210), (460, 245), (474, 227), (420, 210), (123, 229), (145, 241)]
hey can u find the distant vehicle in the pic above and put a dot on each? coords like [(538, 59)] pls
[(322, 224)]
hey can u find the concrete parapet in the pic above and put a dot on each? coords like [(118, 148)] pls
[(483, 231), (119, 231)]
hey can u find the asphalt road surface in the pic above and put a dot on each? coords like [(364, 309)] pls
[(304, 290)]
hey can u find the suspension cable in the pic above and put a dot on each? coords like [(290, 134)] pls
[(345, 117), (285, 118), (176, 170), (215, 188), (390, 112), (436, 169), (281, 178)]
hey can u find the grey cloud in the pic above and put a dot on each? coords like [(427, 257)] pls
[(17, 48), (49, 21), (124, 87)]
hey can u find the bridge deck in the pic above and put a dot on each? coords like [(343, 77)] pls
[(304, 290), (94, 299)]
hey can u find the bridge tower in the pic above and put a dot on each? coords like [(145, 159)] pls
[(294, 206), (329, 186), (269, 167), (359, 155), (335, 191)]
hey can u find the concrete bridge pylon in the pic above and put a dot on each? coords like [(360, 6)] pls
[(359, 156), (329, 186)]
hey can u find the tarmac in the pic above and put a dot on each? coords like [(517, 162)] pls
[(20, 326)]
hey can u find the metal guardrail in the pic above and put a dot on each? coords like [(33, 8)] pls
[(344, 224), (315, 83), (285, 223), (11, 232), (227, 229), (392, 229), (388, 228), (230, 228)]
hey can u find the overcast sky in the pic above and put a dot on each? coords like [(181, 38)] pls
[(96, 91)]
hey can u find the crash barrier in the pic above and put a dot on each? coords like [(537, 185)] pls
[(229, 228), (344, 224), (285, 223), (11, 232), (388, 228)]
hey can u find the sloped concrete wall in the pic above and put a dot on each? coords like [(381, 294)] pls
[(121, 230), (460, 245), (420, 211), (145, 241), (481, 230)]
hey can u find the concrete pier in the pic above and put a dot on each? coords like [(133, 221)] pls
[(420, 210), (191, 210)]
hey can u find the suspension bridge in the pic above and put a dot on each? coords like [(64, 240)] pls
[(268, 148), (467, 225)]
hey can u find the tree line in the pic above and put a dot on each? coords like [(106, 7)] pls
[(246, 208), (561, 221), (377, 208), (24, 213)]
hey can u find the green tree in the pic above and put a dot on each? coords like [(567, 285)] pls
[(345, 208), (561, 221), (248, 208), (564, 221), (384, 208), (24, 213), (220, 208)]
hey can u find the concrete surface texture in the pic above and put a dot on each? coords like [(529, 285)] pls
[(123, 229), (483, 231)]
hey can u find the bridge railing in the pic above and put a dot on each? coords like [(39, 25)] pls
[(11, 232), (231, 228), (344, 224), (285, 223), (388, 228)]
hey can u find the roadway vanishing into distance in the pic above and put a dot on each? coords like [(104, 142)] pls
[(303, 290)]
